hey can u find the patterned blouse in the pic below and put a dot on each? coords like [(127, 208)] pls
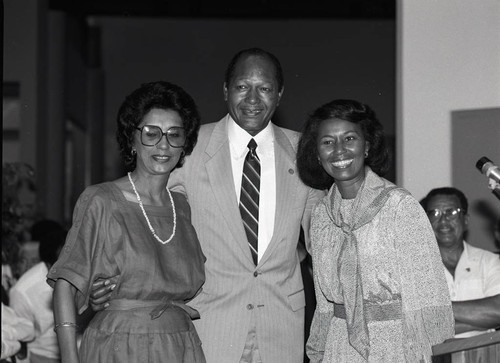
[(401, 275)]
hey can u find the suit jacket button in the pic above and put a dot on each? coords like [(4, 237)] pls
[(255, 274), (291, 171), (249, 306)]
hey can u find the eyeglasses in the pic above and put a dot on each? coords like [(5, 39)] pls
[(449, 213), (151, 135)]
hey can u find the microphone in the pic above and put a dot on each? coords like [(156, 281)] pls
[(492, 171), (489, 169)]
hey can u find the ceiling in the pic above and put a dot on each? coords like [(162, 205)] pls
[(340, 9)]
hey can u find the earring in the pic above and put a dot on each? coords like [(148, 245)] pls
[(133, 152), (366, 154)]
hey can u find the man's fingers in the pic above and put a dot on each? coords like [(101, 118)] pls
[(101, 294), (101, 300), (103, 282), (99, 307), (100, 283)]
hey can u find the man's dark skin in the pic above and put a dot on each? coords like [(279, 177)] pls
[(100, 293), (479, 314)]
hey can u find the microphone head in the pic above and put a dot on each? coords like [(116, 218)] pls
[(481, 162)]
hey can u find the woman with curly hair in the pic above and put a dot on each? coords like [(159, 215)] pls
[(380, 286), (135, 228)]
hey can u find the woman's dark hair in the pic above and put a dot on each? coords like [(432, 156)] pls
[(310, 170), (228, 76), (160, 95)]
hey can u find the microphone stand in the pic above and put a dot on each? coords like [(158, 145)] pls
[(495, 188), (486, 167)]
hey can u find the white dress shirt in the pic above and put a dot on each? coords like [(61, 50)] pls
[(31, 298), (238, 141), (477, 276), (14, 330)]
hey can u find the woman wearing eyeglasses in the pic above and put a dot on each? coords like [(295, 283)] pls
[(380, 287), (137, 229)]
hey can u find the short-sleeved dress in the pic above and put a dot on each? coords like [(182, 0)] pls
[(147, 320)]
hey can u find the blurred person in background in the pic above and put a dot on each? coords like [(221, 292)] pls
[(15, 330), (31, 296), (19, 210)]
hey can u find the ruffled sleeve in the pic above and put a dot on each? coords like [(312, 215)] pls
[(85, 256), (427, 313)]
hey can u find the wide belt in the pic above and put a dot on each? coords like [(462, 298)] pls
[(159, 306), (391, 311)]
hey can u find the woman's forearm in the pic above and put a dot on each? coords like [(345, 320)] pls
[(65, 320)]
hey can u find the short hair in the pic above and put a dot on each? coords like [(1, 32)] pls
[(51, 245), (311, 171), (228, 77), (464, 204), (160, 95), (51, 236), (42, 227)]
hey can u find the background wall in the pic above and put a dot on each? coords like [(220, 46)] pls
[(448, 60), (476, 133)]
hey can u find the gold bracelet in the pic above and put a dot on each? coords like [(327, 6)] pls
[(65, 324)]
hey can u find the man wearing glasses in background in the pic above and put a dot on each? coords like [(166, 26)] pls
[(473, 274)]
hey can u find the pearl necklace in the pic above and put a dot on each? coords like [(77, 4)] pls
[(146, 216)]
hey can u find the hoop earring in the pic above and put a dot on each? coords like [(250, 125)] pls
[(366, 154), (133, 152)]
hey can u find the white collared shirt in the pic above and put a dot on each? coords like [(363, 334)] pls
[(31, 298), (238, 141), (477, 276)]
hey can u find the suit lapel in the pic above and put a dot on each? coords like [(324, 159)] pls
[(285, 157), (220, 175)]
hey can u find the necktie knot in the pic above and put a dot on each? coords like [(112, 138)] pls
[(252, 146)]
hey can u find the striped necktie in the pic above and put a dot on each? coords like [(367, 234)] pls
[(249, 198)]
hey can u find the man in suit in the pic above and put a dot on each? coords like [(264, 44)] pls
[(252, 303)]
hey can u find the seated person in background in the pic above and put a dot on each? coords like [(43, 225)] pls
[(15, 330), (31, 296), (27, 257), (473, 274)]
